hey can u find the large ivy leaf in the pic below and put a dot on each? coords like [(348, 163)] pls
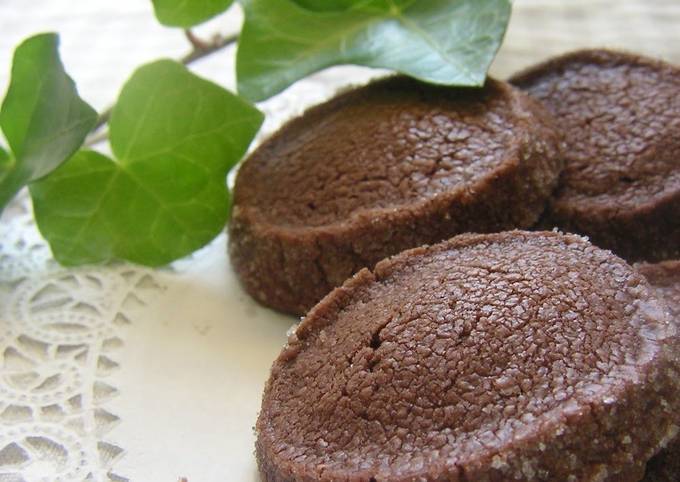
[(43, 118), (326, 5), (187, 13), (439, 41), (376, 6), (175, 136)]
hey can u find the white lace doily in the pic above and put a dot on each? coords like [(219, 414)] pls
[(125, 373), (60, 331)]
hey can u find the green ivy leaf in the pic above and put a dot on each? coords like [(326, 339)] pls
[(187, 13), (376, 6), (326, 5), (438, 41), (43, 118), (175, 136)]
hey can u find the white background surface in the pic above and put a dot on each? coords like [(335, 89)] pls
[(193, 363), (191, 377)]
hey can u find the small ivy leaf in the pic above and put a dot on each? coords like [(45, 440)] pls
[(71, 207), (175, 136), (43, 118), (438, 41), (187, 13)]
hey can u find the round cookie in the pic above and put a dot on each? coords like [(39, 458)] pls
[(389, 166), (620, 116), (509, 356)]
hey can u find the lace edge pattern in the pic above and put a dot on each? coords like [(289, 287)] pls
[(59, 333)]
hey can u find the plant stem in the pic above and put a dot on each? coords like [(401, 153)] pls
[(95, 137), (200, 49)]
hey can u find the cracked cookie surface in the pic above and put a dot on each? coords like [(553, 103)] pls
[(386, 167), (528, 356), (620, 116)]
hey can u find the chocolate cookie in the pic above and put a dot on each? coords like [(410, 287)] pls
[(620, 115), (509, 356), (386, 167)]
